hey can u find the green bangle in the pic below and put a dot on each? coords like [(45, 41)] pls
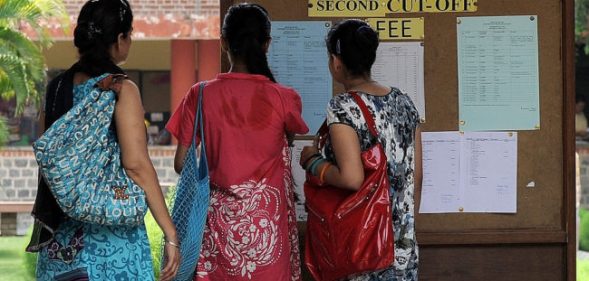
[(315, 165), (310, 167), (310, 158)]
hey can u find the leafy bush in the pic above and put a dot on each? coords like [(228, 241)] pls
[(584, 229), (156, 235), (155, 242), (29, 259), (3, 131)]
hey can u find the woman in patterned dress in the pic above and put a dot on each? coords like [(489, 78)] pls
[(352, 46), (73, 250), (250, 233)]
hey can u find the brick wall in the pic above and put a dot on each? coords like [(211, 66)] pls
[(153, 19), (18, 174), (18, 171), (143, 8), (18, 181)]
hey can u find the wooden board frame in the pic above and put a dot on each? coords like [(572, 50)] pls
[(545, 223)]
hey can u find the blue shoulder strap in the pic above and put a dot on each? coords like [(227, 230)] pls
[(198, 122)]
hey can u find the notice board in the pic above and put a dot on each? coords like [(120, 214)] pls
[(538, 241)]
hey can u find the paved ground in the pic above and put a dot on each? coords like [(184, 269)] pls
[(583, 255)]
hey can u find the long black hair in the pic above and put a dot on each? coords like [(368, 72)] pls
[(355, 42), (246, 28), (99, 24)]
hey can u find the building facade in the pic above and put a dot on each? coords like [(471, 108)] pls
[(176, 44)]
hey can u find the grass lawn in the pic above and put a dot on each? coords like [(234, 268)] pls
[(11, 259), (582, 270), (12, 266)]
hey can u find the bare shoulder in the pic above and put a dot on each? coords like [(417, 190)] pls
[(129, 96), (130, 86), (129, 91)]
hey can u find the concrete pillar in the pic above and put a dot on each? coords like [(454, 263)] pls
[(183, 70), (209, 59)]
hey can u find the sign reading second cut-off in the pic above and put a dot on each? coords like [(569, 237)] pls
[(379, 8), (398, 29)]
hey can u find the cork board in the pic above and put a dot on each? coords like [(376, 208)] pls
[(540, 152)]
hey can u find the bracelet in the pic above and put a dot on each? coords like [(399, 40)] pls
[(323, 172), (310, 158), (313, 167), (172, 243)]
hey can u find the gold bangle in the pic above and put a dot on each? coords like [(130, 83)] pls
[(323, 172), (173, 244)]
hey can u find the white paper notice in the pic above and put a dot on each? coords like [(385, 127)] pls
[(441, 172), (298, 175), (400, 65), (298, 59), (489, 172), (470, 172)]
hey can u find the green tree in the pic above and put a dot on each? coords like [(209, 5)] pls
[(22, 65), (3, 132), (581, 27)]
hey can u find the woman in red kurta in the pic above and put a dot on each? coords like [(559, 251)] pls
[(248, 118)]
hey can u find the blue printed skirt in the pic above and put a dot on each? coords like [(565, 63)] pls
[(82, 251)]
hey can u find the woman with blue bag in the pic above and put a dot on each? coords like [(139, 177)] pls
[(250, 231), (82, 233)]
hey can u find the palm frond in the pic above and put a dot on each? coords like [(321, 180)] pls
[(25, 49), (14, 67), (34, 13), (6, 90), (22, 67), (32, 10), (19, 10)]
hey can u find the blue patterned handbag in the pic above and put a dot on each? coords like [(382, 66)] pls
[(191, 201), (80, 159)]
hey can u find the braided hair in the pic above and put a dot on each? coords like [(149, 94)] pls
[(246, 28)]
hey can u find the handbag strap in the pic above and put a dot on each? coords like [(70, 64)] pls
[(198, 119), (367, 116), (324, 130)]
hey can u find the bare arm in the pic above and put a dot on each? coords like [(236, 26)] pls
[(349, 171), (136, 161), (418, 170), (179, 158)]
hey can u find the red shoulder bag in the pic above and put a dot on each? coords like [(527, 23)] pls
[(350, 232)]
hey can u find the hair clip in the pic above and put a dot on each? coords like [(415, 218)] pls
[(92, 30), (338, 48), (122, 10), (360, 28)]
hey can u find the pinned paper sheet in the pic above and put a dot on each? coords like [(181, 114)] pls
[(498, 73), (298, 175), (400, 65), (469, 172), (298, 59)]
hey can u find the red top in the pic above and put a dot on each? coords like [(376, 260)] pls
[(246, 118)]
